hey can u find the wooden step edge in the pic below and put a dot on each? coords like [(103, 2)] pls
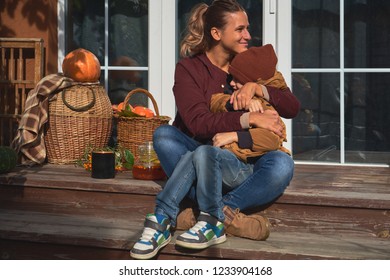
[(302, 190), (110, 234), (76, 179), (347, 200), (290, 196)]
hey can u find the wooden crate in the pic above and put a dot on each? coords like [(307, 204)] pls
[(21, 68)]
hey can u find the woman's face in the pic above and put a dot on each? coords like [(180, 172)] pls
[(235, 36)]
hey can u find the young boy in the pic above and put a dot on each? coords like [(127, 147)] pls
[(257, 64)]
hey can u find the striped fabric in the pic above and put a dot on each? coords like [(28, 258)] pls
[(28, 142)]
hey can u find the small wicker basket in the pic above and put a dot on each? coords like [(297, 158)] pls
[(79, 117), (133, 131)]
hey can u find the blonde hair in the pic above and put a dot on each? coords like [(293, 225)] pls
[(193, 42), (202, 18)]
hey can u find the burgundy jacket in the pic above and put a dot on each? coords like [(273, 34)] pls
[(196, 79)]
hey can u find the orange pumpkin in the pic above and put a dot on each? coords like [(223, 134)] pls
[(81, 65), (143, 111), (121, 106)]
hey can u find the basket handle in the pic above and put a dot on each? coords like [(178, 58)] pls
[(82, 108), (147, 93)]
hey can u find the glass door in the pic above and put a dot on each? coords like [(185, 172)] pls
[(341, 74)]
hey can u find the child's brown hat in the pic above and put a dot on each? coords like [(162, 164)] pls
[(253, 64)]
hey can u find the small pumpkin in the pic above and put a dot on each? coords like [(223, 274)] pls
[(121, 107), (143, 111), (81, 65), (8, 159)]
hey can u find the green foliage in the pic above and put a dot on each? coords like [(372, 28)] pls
[(124, 159), (8, 159)]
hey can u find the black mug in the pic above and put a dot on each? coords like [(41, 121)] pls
[(103, 165)]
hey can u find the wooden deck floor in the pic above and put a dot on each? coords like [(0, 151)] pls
[(59, 211)]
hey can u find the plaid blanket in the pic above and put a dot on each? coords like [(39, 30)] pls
[(29, 140)]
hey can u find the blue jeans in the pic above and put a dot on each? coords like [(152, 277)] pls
[(268, 179), (201, 174)]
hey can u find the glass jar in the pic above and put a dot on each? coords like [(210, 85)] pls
[(147, 165)]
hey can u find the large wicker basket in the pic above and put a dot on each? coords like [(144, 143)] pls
[(80, 116), (133, 131)]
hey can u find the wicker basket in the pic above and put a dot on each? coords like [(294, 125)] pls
[(133, 131), (79, 117)]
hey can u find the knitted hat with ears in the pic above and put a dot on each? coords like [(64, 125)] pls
[(254, 63)]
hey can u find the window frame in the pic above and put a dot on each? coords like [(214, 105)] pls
[(286, 47)]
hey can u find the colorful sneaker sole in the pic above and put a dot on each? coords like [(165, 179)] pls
[(151, 254), (204, 245)]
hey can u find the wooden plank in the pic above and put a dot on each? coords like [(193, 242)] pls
[(11, 82), (11, 64), (366, 223), (38, 67), (29, 42), (24, 250), (316, 185), (74, 202), (369, 222), (345, 186), (121, 234), (76, 178)]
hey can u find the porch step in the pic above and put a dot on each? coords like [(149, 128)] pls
[(55, 212)]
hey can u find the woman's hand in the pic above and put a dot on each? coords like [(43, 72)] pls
[(269, 120), (224, 138), (241, 98)]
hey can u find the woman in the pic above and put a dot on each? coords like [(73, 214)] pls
[(215, 34)]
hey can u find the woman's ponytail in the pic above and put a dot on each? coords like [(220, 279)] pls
[(194, 41)]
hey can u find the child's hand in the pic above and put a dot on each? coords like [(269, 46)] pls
[(256, 105), (243, 96), (224, 138)]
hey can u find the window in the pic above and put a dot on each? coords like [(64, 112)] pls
[(341, 74), (117, 33)]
